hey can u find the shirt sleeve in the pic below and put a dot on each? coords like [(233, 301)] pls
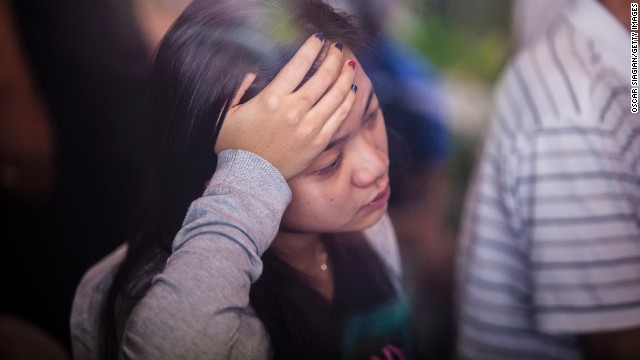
[(579, 196), (198, 307)]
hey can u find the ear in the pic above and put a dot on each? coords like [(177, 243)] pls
[(248, 80)]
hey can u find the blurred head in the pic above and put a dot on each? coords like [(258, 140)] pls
[(198, 68), (372, 15)]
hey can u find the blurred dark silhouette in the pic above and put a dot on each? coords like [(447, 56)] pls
[(82, 65), (22, 340)]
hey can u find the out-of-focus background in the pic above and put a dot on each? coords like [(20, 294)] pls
[(467, 43), (73, 148)]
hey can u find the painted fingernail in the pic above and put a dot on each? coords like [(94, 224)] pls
[(354, 88), (320, 36), (339, 46), (352, 64)]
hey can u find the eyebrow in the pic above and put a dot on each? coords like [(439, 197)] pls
[(344, 137), (336, 141), (366, 107)]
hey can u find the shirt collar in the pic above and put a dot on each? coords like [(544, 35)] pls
[(609, 35)]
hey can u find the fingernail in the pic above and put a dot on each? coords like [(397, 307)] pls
[(339, 46), (352, 64), (320, 36), (354, 88)]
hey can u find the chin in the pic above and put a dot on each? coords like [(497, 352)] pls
[(371, 219)]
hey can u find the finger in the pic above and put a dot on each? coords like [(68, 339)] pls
[(332, 125), (333, 98), (326, 74), (294, 71), (248, 80)]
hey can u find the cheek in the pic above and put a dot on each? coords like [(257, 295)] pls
[(316, 207)]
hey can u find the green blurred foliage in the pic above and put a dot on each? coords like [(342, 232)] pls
[(470, 38), (454, 49), (465, 40)]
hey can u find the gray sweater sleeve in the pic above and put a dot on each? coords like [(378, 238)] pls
[(198, 307)]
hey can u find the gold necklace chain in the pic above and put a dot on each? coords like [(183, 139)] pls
[(323, 264)]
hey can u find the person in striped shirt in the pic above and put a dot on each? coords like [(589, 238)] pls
[(549, 255)]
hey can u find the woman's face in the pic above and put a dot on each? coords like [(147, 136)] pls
[(347, 187)]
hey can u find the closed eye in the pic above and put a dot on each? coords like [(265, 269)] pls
[(329, 169), (372, 116)]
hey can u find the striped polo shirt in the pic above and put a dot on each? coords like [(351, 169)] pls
[(550, 245)]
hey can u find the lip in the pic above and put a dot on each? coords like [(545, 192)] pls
[(379, 201)]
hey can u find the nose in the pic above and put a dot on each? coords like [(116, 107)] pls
[(371, 163)]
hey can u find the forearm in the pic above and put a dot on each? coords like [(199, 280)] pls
[(198, 307)]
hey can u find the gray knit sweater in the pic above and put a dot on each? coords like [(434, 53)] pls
[(198, 307)]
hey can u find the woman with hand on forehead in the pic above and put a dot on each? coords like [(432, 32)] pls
[(288, 252)]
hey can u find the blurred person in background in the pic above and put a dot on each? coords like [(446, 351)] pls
[(412, 99), (549, 257), (532, 18), (154, 18), (20, 339), (72, 147)]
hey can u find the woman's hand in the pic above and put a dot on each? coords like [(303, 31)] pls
[(290, 129)]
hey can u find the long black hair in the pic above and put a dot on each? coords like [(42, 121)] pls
[(197, 70)]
